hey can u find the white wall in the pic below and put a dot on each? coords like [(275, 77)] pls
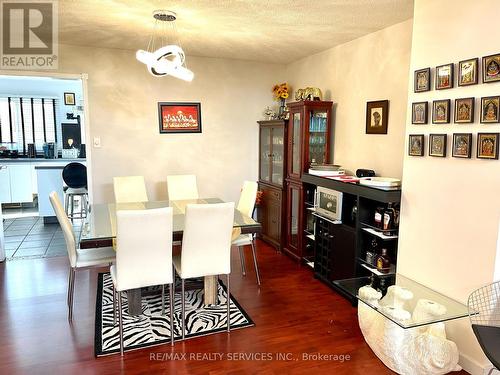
[(123, 99), (451, 207), (373, 67)]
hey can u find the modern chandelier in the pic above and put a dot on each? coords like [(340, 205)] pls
[(169, 58)]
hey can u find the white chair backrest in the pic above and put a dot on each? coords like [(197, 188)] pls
[(206, 242), (143, 248), (248, 194), (130, 189), (67, 228), (182, 187)]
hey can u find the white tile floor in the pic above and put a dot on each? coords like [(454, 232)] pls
[(29, 237)]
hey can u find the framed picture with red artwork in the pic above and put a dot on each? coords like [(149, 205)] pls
[(179, 117)]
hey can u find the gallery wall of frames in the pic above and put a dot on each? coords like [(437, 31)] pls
[(458, 111)]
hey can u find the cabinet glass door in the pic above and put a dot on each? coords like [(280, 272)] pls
[(294, 217), (295, 146), (277, 155), (265, 154), (318, 137)]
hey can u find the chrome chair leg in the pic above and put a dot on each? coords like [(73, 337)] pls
[(71, 292), (120, 322), (171, 292), (183, 310), (163, 299), (242, 260), (72, 207), (228, 301), (66, 204), (255, 262)]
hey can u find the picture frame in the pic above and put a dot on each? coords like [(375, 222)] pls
[(491, 68), (467, 72), (377, 115), (179, 117), (69, 98), (444, 76), (422, 80), (487, 146), (419, 113), (437, 145), (490, 109), (416, 144), (462, 145), (441, 111), (464, 110)]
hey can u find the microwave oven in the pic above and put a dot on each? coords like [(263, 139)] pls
[(329, 203)]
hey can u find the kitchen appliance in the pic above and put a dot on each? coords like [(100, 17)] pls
[(8, 150), (365, 172), (329, 203)]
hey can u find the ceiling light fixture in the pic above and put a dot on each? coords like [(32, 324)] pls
[(169, 59)]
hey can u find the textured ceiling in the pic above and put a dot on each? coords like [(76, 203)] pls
[(259, 30)]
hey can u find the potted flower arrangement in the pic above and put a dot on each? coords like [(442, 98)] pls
[(281, 93)]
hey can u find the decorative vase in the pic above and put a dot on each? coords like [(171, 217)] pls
[(282, 106)]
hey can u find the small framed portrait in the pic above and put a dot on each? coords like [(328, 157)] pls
[(437, 145), (416, 145), (467, 72), (464, 110), (441, 111), (179, 117), (491, 68), (489, 109), (419, 113), (377, 114), (69, 98), (444, 77), (422, 80), (487, 145), (462, 145)]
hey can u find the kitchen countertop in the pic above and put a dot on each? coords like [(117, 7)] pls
[(38, 160)]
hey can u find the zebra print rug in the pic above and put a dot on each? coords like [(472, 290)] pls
[(151, 328)]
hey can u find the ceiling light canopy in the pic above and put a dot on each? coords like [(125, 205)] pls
[(169, 58)]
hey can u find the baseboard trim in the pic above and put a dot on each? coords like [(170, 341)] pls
[(474, 368)]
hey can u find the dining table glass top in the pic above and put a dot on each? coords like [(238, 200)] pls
[(100, 223)]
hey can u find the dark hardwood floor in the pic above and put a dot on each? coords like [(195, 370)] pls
[(293, 313)]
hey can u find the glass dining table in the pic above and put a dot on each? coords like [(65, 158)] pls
[(99, 229)]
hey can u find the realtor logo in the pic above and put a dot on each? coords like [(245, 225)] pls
[(29, 34)]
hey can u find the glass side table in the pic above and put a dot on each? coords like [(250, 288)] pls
[(405, 327)]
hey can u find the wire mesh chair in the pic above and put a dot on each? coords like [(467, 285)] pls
[(484, 315)]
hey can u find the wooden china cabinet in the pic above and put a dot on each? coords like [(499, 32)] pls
[(309, 137), (272, 171)]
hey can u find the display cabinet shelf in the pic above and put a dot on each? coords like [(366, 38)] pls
[(380, 234), (374, 270)]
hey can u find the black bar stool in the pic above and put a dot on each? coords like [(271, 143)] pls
[(75, 177)]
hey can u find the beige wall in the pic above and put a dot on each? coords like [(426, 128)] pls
[(123, 99), (451, 207), (374, 67)]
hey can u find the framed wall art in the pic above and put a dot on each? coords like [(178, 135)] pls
[(464, 110), (487, 145), (422, 80), (179, 117), (377, 114), (462, 145), (419, 112), (416, 145), (444, 77), (489, 109), (437, 145), (441, 111), (491, 68), (467, 72), (69, 98)]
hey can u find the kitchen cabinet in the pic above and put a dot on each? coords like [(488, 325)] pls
[(4, 184), (15, 183), (269, 214)]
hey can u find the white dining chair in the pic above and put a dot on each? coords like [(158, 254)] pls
[(143, 257), (78, 258), (182, 187), (130, 189), (246, 205), (206, 247)]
